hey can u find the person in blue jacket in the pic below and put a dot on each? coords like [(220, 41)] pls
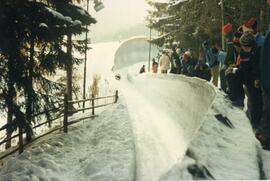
[(211, 57), (265, 84)]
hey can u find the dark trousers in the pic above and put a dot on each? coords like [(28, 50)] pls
[(223, 82), (256, 104), (265, 124), (236, 91)]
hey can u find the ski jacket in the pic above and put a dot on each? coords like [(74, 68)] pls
[(164, 62), (265, 64), (230, 57), (260, 39), (249, 68), (211, 57)]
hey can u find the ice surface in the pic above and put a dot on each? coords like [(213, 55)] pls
[(132, 51), (163, 120)]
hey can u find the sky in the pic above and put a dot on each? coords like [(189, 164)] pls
[(118, 15)]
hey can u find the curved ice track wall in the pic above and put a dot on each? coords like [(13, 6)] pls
[(132, 51), (192, 101)]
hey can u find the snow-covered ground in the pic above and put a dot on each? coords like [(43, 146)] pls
[(163, 128), (98, 149)]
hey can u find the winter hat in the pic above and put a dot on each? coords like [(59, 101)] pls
[(227, 29), (247, 39), (187, 53), (250, 25)]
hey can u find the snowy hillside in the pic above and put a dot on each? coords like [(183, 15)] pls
[(99, 149)]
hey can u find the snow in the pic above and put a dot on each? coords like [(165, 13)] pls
[(164, 18), (218, 147), (266, 159), (68, 19), (77, 23), (177, 2), (43, 25), (82, 11), (163, 127), (56, 14), (215, 146), (132, 51), (99, 149), (161, 138)]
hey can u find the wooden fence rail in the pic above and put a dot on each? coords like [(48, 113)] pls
[(63, 112)]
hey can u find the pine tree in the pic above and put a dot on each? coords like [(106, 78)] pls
[(31, 50), (190, 22)]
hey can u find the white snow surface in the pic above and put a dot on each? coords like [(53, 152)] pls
[(146, 135), (266, 163), (101, 149)]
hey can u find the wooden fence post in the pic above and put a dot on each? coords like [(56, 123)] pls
[(20, 140), (65, 114), (93, 104), (116, 96)]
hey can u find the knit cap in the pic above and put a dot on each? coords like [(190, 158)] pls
[(247, 39), (250, 25), (227, 28)]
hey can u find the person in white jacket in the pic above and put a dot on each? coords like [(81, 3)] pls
[(164, 63)]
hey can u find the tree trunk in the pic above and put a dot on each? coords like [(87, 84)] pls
[(69, 70), (10, 97), (29, 89)]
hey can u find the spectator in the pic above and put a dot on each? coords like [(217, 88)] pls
[(265, 83), (235, 88), (180, 53), (164, 62), (252, 26), (175, 64), (249, 75), (188, 64), (201, 70), (142, 70), (154, 66), (221, 58), (211, 57)]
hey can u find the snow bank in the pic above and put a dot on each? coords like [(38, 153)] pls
[(98, 150), (266, 163), (226, 153)]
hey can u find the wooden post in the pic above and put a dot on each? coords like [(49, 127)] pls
[(116, 96), (93, 104), (222, 24), (66, 113), (20, 140)]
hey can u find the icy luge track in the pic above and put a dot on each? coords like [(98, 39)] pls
[(166, 111)]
